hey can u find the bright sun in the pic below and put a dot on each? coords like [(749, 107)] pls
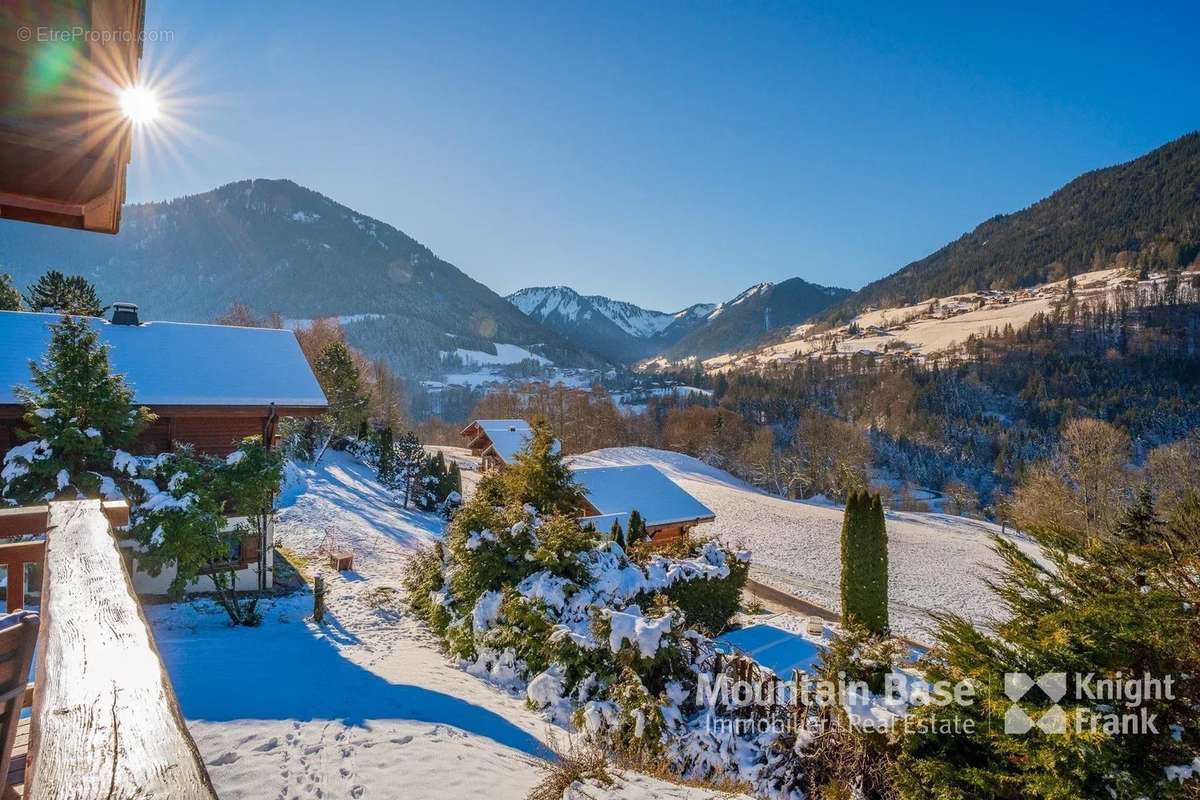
[(139, 104)]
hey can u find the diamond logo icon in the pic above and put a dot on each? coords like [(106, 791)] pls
[(1016, 684), (1016, 721), (1053, 721), (1054, 684)]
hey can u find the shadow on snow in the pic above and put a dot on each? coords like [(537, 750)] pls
[(285, 671)]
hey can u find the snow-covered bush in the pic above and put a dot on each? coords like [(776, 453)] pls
[(180, 506), (587, 630)]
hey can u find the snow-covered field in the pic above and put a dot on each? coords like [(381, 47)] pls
[(920, 330), (364, 705), (936, 561)]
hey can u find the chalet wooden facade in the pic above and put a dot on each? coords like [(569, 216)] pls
[(496, 442), (210, 385)]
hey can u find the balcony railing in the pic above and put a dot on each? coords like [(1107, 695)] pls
[(105, 721)]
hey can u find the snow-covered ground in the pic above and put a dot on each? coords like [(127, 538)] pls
[(505, 354), (936, 561), (364, 705)]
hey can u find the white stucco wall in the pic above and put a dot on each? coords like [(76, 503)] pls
[(247, 579)]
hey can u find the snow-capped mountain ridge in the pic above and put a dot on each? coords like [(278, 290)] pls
[(541, 302), (623, 331), (616, 329)]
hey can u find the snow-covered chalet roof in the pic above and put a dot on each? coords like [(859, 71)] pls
[(507, 436), (176, 363), (616, 491)]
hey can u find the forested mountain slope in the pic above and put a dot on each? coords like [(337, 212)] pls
[(278, 246), (1144, 213)]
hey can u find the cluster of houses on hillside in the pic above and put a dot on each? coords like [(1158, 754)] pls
[(611, 494)]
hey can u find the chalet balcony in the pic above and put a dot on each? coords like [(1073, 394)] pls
[(103, 720)]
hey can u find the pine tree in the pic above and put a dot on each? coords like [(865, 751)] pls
[(10, 298), (636, 528), (1139, 524), (72, 294), (338, 375), (1077, 607), (1139, 527), (541, 477), (617, 533), (411, 462), (76, 415), (864, 563), (455, 478), (386, 471)]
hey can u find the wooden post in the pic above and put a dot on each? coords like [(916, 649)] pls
[(105, 719), (319, 599), (16, 586)]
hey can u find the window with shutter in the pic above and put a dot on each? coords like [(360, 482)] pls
[(250, 548)]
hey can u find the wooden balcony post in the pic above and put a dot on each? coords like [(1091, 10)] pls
[(105, 720), (15, 597)]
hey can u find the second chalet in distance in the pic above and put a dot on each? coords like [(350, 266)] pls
[(611, 494), (496, 442)]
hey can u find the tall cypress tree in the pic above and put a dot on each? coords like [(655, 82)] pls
[(853, 577), (864, 563), (878, 554)]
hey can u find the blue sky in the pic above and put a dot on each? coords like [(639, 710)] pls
[(668, 153)]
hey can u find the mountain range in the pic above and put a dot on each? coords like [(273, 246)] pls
[(278, 246), (614, 329)]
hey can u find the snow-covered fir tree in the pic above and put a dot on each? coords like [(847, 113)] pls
[(77, 414)]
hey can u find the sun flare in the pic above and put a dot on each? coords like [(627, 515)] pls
[(139, 104)]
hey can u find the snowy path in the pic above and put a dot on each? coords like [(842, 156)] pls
[(363, 706), (937, 561)]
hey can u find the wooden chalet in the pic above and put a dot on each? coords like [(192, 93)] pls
[(210, 385), (496, 442), (613, 493)]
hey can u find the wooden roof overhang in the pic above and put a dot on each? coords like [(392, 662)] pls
[(480, 442), (64, 143)]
